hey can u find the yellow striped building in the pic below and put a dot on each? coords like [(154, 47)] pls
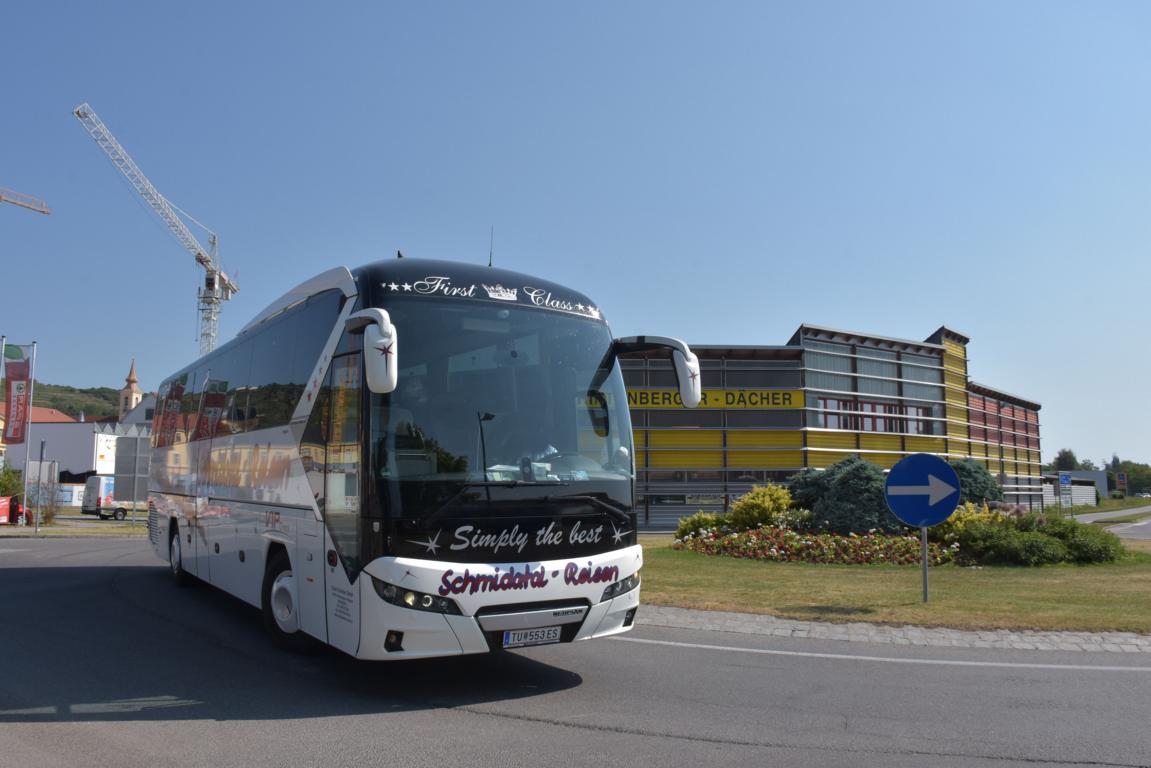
[(769, 412)]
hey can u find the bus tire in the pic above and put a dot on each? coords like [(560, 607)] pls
[(280, 604), (120, 514), (180, 577)]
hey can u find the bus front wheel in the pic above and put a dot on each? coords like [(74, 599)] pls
[(280, 604)]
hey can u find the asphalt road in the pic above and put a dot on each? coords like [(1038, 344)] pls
[(104, 663), (1139, 530)]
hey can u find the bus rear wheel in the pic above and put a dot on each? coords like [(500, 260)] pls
[(176, 559), (280, 604)]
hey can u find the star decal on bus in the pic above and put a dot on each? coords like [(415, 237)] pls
[(432, 543), (393, 287), (386, 350), (618, 535)]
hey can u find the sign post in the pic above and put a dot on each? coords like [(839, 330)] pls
[(922, 490), (1066, 498), (1121, 481)]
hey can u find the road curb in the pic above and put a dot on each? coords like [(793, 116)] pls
[(882, 634)]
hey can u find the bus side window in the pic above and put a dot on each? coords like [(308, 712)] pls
[(313, 445), (342, 471)]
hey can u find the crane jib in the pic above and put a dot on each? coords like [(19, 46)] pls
[(217, 285)]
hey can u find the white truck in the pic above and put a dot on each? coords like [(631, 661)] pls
[(99, 498)]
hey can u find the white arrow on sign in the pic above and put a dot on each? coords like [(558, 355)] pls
[(936, 490)]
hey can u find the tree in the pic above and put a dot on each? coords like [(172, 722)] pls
[(1087, 465), (976, 484), (11, 482), (1115, 463), (1138, 476), (854, 501), (1065, 460)]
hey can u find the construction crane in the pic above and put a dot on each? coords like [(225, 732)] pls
[(24, 201), (217, 287)]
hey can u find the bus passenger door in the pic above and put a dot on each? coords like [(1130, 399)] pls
[(342, 488)]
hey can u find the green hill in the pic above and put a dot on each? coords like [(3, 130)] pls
[(94, 403)]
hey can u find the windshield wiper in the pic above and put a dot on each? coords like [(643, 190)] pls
[(616, 513), (491, 484), (514, 483)]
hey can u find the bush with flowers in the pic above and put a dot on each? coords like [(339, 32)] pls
[(762, 526), (784, 545)]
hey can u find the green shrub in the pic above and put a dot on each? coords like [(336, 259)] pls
[(1118, 494), (855, 500), (1028, 522), (796, 519), (948, 531), (1034, 548), (1024, 541), (762, 505), (700, 521), (808, 487), (984, 542), (1085, 543)]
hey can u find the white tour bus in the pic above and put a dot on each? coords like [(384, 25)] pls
[(466, 490)]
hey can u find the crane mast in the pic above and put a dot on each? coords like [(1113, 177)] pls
[(217, 287), (23, 200)]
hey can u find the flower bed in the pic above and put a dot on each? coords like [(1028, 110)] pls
[(784, 545)]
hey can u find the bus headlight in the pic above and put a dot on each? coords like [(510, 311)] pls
[(620, 587), (419, 601)]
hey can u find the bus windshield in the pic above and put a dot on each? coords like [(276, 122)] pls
[(498, 407)]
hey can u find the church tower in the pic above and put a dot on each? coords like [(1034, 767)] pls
[(130, 395)]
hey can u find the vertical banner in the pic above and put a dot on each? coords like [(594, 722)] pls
[(17, 370)]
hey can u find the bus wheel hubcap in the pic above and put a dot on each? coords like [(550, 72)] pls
[(284, 602)]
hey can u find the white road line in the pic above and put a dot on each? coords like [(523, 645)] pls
[(887, 659)]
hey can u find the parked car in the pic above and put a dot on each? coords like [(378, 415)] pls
[(16, 512)]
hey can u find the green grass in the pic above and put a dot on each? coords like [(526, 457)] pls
[(1088, 598), (1110, 505)]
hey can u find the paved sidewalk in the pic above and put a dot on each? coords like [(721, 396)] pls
[(859, 632)]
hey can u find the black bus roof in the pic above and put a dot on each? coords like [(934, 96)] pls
[(415, 278)]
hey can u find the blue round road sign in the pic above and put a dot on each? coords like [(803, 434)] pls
[(922, 490)]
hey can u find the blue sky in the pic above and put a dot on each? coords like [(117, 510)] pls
[(722, 172)]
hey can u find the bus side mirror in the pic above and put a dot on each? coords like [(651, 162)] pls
[(381, 354), (684, 361), (687, 373)]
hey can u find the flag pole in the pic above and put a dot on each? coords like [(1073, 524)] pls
[(28, 433)]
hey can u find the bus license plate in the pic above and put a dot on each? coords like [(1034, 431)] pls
[(539, 636)]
